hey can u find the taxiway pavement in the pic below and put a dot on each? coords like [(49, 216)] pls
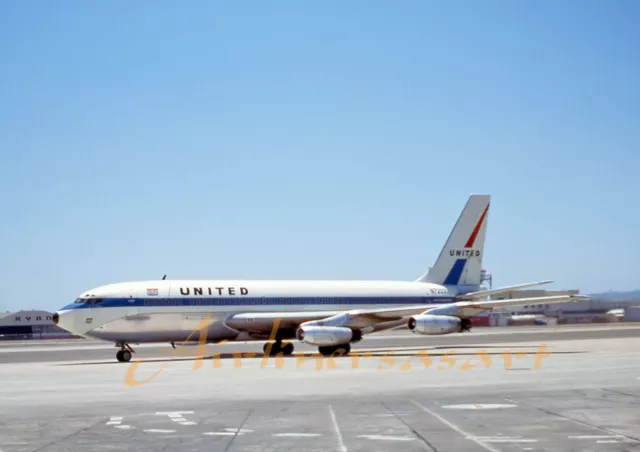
[(515, 389)]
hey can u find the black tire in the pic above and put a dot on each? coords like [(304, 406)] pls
[(343, 350), (287, 350), (126, 356), (276, 348), (119, 356), (335, 350)]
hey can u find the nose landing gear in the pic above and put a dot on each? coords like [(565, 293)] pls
[(124, 354)]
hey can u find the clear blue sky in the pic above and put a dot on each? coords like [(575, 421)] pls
[(316, 140)]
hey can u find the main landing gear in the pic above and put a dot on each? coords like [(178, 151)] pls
[(335, 350), (277, 348), (124, 354), (465, 325)]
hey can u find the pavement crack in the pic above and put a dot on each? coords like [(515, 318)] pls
[(418, 435), (576, 421), (626, 394), (244, 421), (101, 421), (609, 398)]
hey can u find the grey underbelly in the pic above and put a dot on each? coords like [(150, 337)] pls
[(169, 327)]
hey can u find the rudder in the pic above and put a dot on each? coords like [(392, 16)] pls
[(460, 261)]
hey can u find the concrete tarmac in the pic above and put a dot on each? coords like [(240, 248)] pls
[(508, 389)]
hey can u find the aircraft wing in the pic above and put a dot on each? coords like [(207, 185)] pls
[(490, 304), (473, 308), (486, 293), (464, 308), (377, 319)]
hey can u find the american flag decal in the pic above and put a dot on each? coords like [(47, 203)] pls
[(152, 292), (88, 320)]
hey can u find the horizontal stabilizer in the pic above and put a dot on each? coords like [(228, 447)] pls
[(486, 293)]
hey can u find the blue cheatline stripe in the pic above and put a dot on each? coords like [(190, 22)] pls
[(455, 273), (258, 301)]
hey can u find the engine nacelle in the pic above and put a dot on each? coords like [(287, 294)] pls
[(435, 324), (327, 335)]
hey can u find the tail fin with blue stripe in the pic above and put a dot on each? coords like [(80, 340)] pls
[(460, 261)]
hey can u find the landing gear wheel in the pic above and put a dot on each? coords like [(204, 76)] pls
[(335, 350), (277, 347), (270, 352), (287, 350), (465, 325), (124, 354)]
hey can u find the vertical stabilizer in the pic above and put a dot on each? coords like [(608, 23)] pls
[(460, 261)]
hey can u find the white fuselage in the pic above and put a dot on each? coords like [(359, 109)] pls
[(159, 311)]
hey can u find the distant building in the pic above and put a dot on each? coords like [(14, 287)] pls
[(549, 309), (587, 311), (29, 325)]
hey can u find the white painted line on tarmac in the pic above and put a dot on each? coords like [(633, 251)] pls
[(608, 441), (388, 437), (115, 420), (505, 439), (595, 436), (240, 431), (479, 406), (343, 448), (229, 432), (455, 427), (177, 416), (157, 430), (124, 427), (304, 435)]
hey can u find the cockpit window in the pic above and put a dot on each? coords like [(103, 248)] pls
[(89, 300)]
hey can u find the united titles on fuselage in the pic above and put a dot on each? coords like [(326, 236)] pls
[(202, 291)]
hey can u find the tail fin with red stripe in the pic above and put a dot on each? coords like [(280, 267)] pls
[(460, 261)]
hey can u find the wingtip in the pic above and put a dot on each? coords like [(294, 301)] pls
[(580, 297)]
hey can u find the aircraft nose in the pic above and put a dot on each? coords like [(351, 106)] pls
[(64, 319)]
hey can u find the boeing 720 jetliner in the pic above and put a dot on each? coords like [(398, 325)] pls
[(327, 314)]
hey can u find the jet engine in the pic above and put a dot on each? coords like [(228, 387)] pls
[(323, 336), (435, 324)]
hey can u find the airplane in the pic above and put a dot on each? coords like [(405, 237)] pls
[(330, 315)]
